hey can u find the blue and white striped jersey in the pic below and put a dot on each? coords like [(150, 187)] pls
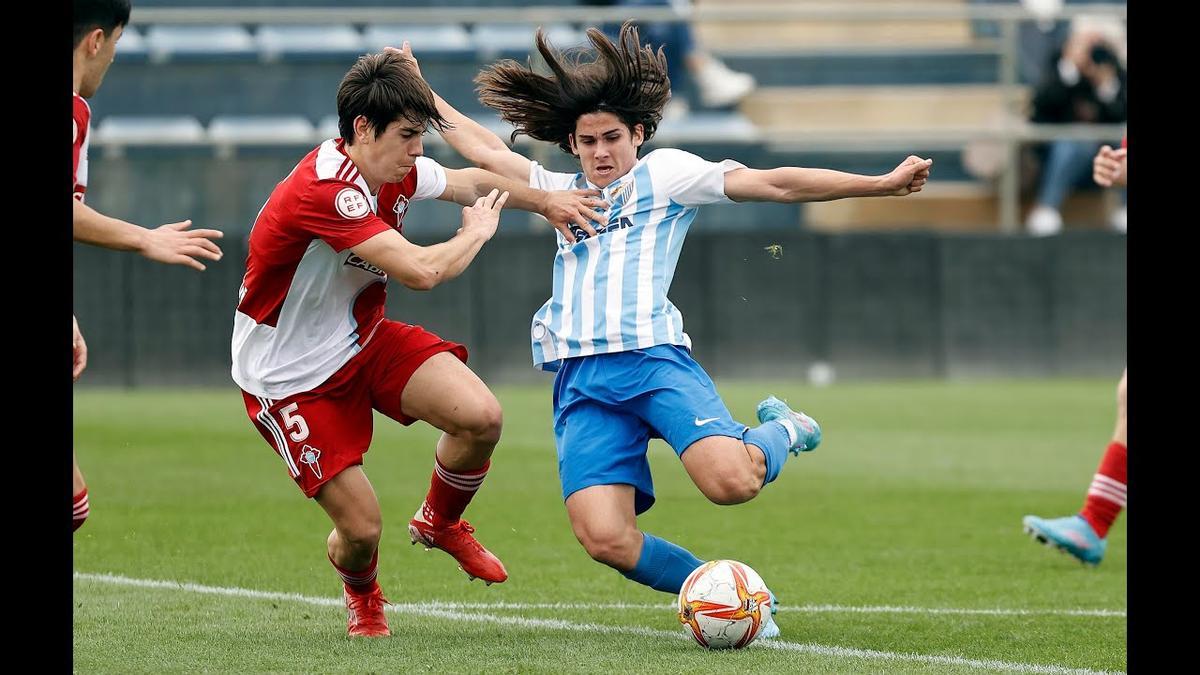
[(610, 291)]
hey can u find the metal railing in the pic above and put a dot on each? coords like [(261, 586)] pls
[(1010, 133), (740, 11)]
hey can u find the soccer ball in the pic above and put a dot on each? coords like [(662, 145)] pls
[(723, 604)]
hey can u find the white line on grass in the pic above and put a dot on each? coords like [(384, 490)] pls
[(801, 609), (798, 609), (440, 611)]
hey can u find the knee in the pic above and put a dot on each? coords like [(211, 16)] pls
[(363, 533), (483, 424), (617, 548), (733, 487)]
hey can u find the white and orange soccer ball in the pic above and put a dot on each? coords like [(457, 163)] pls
[(723, 604)]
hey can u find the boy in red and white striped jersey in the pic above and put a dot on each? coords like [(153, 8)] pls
[(98, 25), (1085, 535)]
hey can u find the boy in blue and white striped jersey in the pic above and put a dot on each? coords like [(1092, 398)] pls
[(625, 373)]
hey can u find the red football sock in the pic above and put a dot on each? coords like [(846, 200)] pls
[(81, 509), (1106, 495), (451, 491), (362, 581)]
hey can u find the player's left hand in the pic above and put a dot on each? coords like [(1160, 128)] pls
[(79, 349), (909, 177)]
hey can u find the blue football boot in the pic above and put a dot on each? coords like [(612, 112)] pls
[(770, 629), (808, 432), (1072, 534)]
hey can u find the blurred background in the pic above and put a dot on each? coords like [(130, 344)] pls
[(1011, 262)]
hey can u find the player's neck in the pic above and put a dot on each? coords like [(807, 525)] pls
[(596, 180)]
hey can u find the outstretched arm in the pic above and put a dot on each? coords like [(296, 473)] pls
[(477, 144), (172, 243), (794, 184)]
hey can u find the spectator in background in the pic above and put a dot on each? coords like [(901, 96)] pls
[(1036, 39), (1084, 83), (693, 70)]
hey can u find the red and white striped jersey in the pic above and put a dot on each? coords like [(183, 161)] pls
[(307, 304), (81, 119)]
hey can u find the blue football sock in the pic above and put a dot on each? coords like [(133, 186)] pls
[(773, 439), (663, 566)]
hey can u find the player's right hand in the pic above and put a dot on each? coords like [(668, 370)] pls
[(406, 50), (1108, 166), (484, 216), (79, 350), (174, 244)]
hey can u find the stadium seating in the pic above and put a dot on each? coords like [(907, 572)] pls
[(889, 86), (209, 43), (277, 42), (261, 129), (515, 41), (438, 40), (182, 130)]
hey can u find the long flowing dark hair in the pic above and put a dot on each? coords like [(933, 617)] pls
[(625, 79)]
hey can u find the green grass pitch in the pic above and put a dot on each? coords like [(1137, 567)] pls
[(894, 547)]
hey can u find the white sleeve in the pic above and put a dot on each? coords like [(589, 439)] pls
[(431, 179), (542, 179), (688, 179)]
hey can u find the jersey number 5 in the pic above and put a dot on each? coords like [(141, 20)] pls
[(289, 420)]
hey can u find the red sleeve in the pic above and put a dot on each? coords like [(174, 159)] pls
[(339, 214), (80, 118)]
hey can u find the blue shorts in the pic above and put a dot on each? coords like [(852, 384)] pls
[(607, 407)]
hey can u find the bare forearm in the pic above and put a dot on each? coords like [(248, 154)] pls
[(451, 258), (479, 182), (95, 228), (424, 267), (794, 184)]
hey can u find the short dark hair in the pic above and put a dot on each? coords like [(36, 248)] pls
[(88, 15), (629, 81), (384, 88)]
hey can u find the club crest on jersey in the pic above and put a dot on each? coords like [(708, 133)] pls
[(311, 456), (620, 192), (351, 204), (400, 208)]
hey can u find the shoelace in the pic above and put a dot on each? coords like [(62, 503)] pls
[(466, 528), (359, 602)]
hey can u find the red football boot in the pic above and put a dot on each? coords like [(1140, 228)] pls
[(365, 613), (456, 539)]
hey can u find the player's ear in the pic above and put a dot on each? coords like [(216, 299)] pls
[(94, 40), (571, 142), (639, 134), (362, 130)]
